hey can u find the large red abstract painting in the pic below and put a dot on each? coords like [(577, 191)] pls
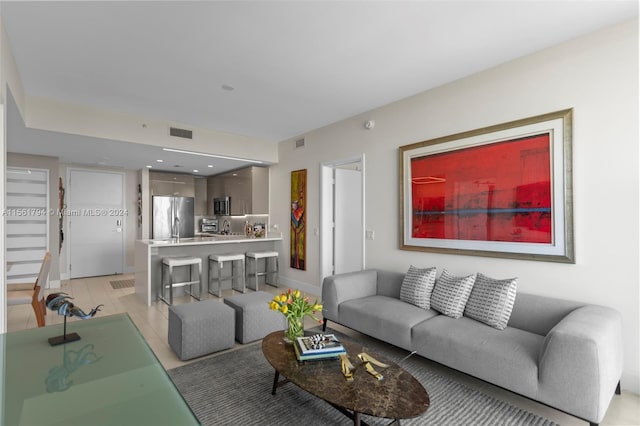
[(504, 190), (499, 191)]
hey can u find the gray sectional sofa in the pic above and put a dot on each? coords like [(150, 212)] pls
[(564, 354)]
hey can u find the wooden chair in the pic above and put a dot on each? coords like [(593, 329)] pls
[(35, 295)]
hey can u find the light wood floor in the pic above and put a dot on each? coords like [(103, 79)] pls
[(153, 324)]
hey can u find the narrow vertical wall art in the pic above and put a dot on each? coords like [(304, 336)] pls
[(298, 219)]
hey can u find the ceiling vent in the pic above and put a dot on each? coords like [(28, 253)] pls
[(300, 143), (181, 133)]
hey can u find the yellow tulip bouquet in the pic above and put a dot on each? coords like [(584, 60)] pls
[(295, 306)]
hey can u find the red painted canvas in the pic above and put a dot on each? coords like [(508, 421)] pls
[(500, 191)]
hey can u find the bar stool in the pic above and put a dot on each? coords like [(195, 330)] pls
[(253, 257), (217, 261), (168, 263)]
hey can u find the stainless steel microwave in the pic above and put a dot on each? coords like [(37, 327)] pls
[(222, 206)]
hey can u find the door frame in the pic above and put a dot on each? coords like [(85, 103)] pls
[(3, 237), (69, 189), (326, 211)]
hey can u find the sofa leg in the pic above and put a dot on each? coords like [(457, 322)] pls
[(324, 324)]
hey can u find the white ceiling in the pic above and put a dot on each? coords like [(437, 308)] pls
[(294, 66)]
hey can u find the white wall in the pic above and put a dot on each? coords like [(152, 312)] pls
[(597, 76), (9, 76), (16, 130)]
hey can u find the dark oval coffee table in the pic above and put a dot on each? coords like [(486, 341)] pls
[(397, 396)]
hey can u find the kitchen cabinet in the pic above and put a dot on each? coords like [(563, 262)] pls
[(247, 187), (260, 190), (172, 184), (177, 184), (201, 202), (181, 185)]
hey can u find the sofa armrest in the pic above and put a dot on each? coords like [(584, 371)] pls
[(339, 288), (580, 362)]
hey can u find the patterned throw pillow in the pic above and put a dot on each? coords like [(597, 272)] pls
[(491, 301), (417, 286), (450, 294)]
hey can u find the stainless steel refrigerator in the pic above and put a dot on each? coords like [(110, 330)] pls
[(165, 211)]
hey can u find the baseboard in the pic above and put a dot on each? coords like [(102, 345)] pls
[(67, 275), (304, 287), (630, 382)]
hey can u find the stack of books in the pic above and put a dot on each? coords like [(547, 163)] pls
[(317, 347)]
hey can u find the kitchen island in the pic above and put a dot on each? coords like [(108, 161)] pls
[(149, 254)]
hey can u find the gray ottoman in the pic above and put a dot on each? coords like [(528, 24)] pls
[(254, 319), (200, 328)]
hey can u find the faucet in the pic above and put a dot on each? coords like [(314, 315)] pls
[(225, 227), (176, 228)]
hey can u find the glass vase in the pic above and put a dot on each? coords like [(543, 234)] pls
[(294, 329)]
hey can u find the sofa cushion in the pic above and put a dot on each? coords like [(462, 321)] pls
[(389, 283), (539, 314), (451, 293), (382, 317), (491, 300), (417, 286), (507, 358)]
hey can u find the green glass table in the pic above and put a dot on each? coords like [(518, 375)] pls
[(108, 377)]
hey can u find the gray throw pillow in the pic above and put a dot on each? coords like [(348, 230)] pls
[(450, 294), (491, 301), (417, 286)]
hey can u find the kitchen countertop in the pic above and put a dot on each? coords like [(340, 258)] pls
[(211, 239)]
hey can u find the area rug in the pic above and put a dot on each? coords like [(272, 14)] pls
[(234, 388), (122, 284)]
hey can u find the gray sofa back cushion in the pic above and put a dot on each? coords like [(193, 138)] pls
[(389, 283), (539, 314)]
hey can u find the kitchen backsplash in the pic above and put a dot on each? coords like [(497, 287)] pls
[(237, 223)]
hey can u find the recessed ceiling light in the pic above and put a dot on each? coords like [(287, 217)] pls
[(210, 165), (227, 87), (195, 170), (235, 174), (149, 167), (159, 161)]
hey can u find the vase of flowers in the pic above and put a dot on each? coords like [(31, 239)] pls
[(295, 306)]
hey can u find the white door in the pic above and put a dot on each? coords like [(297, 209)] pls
[(342, 216), (348, 229), (95, 212)]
